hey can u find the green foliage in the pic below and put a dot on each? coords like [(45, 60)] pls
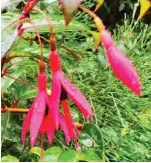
[(122, 125), (9, 158)]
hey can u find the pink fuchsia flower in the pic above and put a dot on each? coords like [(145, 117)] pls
[(122, 67), (59, 80), (39, 115)]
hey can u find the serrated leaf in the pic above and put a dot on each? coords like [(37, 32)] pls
[(145, 5), (68, 156), (9, 158)]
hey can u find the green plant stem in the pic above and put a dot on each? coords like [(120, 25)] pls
[(118, 111)]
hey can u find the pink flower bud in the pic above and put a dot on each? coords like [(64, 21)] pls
[(122, 67)]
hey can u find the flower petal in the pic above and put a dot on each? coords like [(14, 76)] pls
[(76, 96), (55, 97), (69, 121), (64, 128), (124, 69), (26, 124), (50, 128), (106, 39), (39, 107), (43, 127)]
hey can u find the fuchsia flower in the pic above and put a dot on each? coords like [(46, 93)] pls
[(39, 117), (122, 67), (58, 81)]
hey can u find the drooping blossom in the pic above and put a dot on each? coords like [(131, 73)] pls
[(60, 80), (122, 67), (39, 117)]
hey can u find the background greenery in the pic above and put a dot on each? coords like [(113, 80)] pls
[(121, 130)]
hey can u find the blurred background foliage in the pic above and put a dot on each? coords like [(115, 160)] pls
[(122, 125)]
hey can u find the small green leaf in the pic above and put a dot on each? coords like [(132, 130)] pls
[(95, 133), (9, 158), (4, 121), (52, 154), (90, 156), (35, 150), (8, 38), (68, 156), (6, 82)]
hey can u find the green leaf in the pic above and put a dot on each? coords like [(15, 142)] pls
[(86, 140), (95, 133), (8, 3), (24, 93), (8, 38), (89, 156), (68, 156), (35, 150), (9, 158), (4, 122), (52, 154)]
